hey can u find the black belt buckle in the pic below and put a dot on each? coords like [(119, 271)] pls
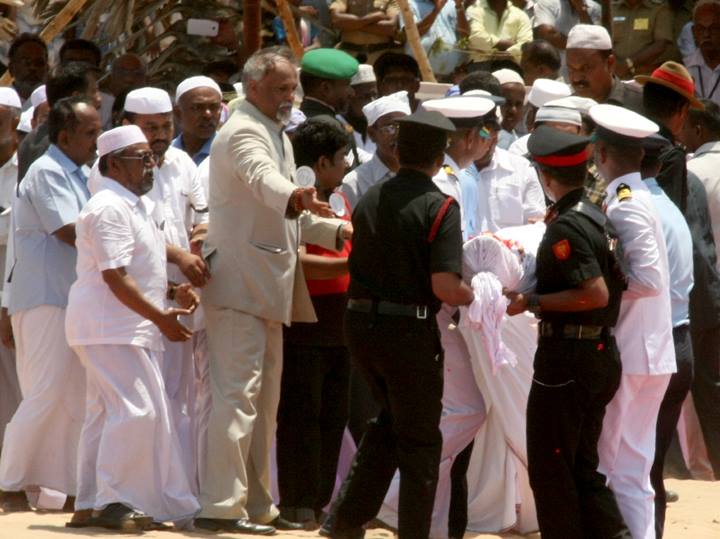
[(421, 312)]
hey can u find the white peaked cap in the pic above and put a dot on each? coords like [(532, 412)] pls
[(25, 124), (508, 76), (119, 138), (199, 81), (9, 97), (561, 114), (477, 93), (623, 121), (364, 74), (589, 36), (39, 96), (148, 100), (297, 118), (582, 104), (461, 106), (544, 90), (397, 102)]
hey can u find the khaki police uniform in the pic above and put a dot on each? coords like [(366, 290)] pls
[(358, 42), (634, 28)]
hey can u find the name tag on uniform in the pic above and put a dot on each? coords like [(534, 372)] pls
[(641, 24), (620, 18)]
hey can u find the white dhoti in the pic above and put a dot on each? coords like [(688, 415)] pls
[(129, 452), (627, 448), (41, 440), (10, 395)]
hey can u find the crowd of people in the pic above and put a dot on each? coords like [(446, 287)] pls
[(338, 295)]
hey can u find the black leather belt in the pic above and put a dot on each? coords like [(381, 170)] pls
[(387, 307), (370, 47), (570, 331)]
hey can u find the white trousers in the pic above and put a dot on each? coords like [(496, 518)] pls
[(245, 371), (10, 395), (40, 446), (129, 452), (203, 396), (627, 448)]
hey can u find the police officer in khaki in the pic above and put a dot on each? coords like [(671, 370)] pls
[(642, 32), (367, 27)]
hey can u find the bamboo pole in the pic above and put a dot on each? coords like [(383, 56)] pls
[(56, 26), (413, 37), (291, 31)]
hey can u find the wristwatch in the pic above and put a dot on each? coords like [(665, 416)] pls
[(631, 65), (533, 304)]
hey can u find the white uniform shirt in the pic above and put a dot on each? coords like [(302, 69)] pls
[(358, 181), (519, 146), (115, 230), (448, 181), (644, 327), (505, 193), (705, 165)]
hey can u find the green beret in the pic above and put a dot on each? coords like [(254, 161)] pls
[(329, 64)]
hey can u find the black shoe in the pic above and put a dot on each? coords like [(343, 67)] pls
[(233, 526), (356, 533), (283, 524), (671, 496), (117, 516)]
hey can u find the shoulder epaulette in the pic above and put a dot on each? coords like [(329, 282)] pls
[(623, 192), (592, 212)]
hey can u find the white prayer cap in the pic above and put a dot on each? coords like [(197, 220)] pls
[(119, 138), (297, 117), (463, 111), (544, 90), (581, 104), (613, 120), (39, 96), (397, 102), (9, 97), (25, 124), (364, 75), (148, 100), (564, 115), (199, 81), (589, 36), (508, 76)]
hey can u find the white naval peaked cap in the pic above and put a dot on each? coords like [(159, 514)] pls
[(463, 106), (622, 121), (9, 97), (589, 36), (199, 81), (148, 100), (119, 138), (508, 76), (582, 104), (25, 124), (297, 118), (38, 96), (365, 74), (397, 102), (544, 90), (560, 114)]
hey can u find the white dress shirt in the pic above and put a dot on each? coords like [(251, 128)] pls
[(644, 326), (8, 187), (448, 181), (707, 80), (705, 165), (358, 181), (115, 230), (505, 193)]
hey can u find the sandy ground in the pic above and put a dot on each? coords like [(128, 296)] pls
[(695, 516)]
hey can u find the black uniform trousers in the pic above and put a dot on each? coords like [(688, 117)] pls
[(311, 420), (574, 380), (706, 389), (668, 416), (401, 359)]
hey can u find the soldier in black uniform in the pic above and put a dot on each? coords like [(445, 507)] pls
[(406, 260), (577, 365)]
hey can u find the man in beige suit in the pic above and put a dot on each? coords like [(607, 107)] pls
[(257, 213)]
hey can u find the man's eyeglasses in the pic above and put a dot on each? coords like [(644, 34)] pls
[(391, 129), (147, 158)]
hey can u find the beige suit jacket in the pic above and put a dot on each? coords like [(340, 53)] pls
[(251, 246)]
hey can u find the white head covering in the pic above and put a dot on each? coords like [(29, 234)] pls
[(508, 76), (544, 90), (589, 36), (297, 117), (199, 81), (39, 96), (581, 104), (623, 121), (119, 138), (25, 124), (365, 74), (9, 97), (397, 102), (565, 115), (460, 106), (148, 100)]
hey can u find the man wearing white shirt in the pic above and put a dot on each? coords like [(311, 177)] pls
[(382, 115), (130, 468), (180, 210), (704, 63), (644, 328)]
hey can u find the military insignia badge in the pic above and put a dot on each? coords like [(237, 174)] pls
[(561, 250), (623, 192), (448, 170)]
